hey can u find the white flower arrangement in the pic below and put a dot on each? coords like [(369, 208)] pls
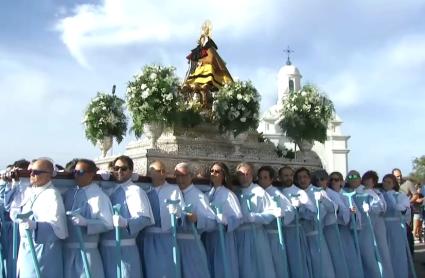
[(105, 117), (306, 114), (151, 97), (236, 107)]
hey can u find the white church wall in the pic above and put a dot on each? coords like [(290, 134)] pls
[(333, 153)]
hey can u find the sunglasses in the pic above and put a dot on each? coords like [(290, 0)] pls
[(122, 168), (35, 172), (242, 174), (353, 177), (78, 172), (215, 171)]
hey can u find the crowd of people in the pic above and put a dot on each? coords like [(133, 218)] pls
[(292, 223)]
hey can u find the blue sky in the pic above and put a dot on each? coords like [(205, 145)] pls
[(368, 56)]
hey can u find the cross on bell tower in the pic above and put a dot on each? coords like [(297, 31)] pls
[(289, 78), (288, 53)]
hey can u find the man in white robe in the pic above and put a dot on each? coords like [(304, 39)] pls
[(298, 260), (134, 215), (157, 240), (92, 215), (47, 225), (193, 255), (318, 248), (285, 212), (252, 243)]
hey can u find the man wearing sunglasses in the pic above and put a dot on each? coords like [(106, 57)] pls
[(90, 211), (134, 215), (47, 224)]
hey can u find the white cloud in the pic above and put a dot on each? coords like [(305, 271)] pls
[(122, 22), (408, 53), (22, 84), (379, 73)]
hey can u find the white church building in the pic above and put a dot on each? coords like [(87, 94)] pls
[(333, 153)]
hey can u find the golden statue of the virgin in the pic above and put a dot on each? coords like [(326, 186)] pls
[(207, 71)]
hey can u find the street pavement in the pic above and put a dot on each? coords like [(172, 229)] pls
[(419, 259)]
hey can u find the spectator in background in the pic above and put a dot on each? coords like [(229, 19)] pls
[(397, 174), (408, 188), (417, 210)]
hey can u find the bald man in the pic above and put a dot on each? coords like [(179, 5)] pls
[(47, 224), (194, 259), (157, 240)]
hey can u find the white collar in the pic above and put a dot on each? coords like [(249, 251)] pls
[(269, 187), (244, 189), (87, 186), (38, 189), (158, 188), (126, 183), (187, 189)]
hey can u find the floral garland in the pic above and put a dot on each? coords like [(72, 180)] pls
[(236, 107), (306, 114), (151, 97), (105, 117)]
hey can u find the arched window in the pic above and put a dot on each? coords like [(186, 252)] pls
[(291, 85)]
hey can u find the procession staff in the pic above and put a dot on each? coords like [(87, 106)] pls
[(45, 227), (156, 245), (317, 246), (134, 215), (252, 243), (201, 217), (220, 244), (349, 223), (285, 214), (90, 211), (398, 205)]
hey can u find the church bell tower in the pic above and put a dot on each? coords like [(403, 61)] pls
[(288, 79)]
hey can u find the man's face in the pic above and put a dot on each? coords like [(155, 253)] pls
[(303, 180), (323, 182), (183, 177), (286, 177), (157, 173), (336, 183), (121, 171), (82, 174), (40, 173), (369, 183), (264, 179), (354, 180), (398, 175), (245, 176)]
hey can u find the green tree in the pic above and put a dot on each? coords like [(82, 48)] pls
[(419, 168)]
